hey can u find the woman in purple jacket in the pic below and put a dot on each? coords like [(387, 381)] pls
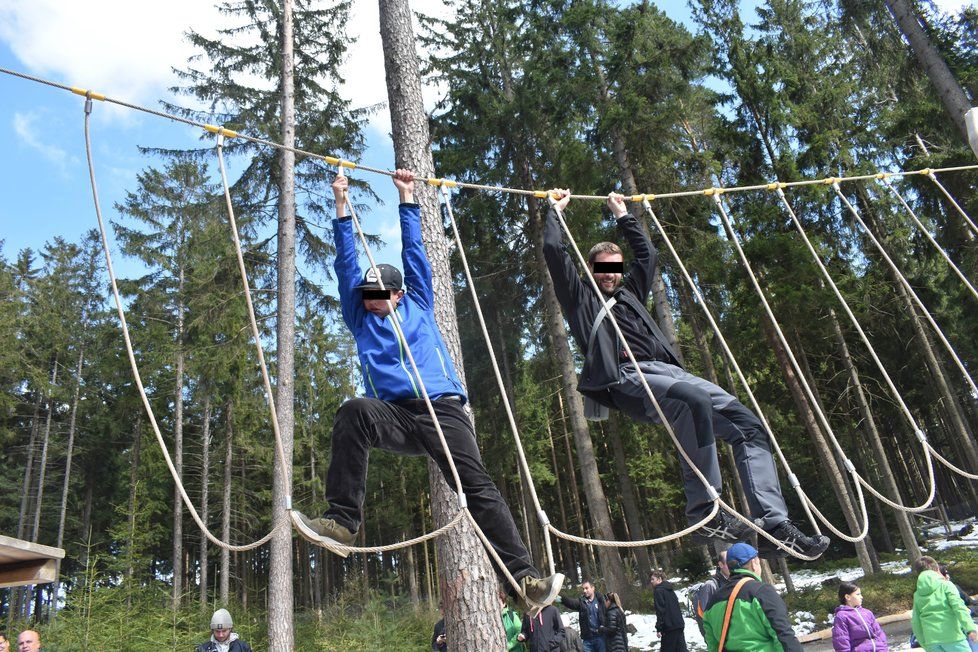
[(855, 628)]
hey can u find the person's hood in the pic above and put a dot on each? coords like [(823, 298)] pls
[(666, 584), (233, 637), (929, 582), (843, 607)]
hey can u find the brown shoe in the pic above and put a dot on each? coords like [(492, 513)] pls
[(540, 591), (328, 530)]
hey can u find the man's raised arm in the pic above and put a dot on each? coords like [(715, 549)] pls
[(645, 257), (567, 282), (348, 272), (417, 268)]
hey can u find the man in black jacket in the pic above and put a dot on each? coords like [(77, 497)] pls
[(543, 632), (697, 410), (592, 616), (669, 624)]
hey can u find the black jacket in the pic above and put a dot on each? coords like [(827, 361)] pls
[(237, 645), (668, 615), (616, 632), (581, 305), (580, 606), (439, 629), (545, 633)]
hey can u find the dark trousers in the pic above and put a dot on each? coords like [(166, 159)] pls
[(673, 641), (405, 427), (700, 412)]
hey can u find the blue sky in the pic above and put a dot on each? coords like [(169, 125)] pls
[(100, 44)]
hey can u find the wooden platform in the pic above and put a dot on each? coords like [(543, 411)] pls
[(22, 562)]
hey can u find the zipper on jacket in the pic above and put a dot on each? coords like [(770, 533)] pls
[(400, 350), (366, 368), (872, 638)]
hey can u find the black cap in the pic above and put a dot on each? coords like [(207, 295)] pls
[(390, 275)]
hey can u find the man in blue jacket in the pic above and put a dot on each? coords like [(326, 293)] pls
[(393, 416)]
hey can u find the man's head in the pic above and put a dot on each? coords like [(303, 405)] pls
[(605, 263), (221, 625), (722, 567), (4, 643), (588, 589), (926, 563), (657, 577), (28, 641), (374, 298), (743, 555)]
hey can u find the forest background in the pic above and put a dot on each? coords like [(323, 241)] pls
[(590, 95)]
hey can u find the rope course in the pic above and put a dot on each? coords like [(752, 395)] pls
[(715, 193)]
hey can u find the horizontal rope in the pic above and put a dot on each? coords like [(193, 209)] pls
[(345, 550), (436, 181)]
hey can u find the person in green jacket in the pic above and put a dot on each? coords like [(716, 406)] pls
[(759, 618), (940, 621), (512, 623)]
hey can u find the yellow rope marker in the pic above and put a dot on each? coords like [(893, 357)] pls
[(829, 181), (433, 181), (348, 164), (448, 183), (649, 197), (540, 194), (636, 198), (710, 192), (332, 160), (927, 172), (883, 175), (87, 93), (221, 131), (773, 186)]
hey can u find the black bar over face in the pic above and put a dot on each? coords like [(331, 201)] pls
[(375, 294), (611, 267)]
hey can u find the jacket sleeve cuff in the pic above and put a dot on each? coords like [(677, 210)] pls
[(410, 205)]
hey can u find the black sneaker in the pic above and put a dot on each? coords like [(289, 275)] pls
[(794, 539), (722, 527)]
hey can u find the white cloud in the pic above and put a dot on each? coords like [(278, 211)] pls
[(127, 48), (953, 6), (24, 127)]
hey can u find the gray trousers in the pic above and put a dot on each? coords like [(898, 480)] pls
[(699, 412)]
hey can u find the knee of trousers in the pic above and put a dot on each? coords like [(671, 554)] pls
[(352, 419)]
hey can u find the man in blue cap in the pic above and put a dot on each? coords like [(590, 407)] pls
[(393, 416), (758, 620)]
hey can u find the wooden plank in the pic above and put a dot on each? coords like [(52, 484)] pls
[(38, 571), (14, 550)]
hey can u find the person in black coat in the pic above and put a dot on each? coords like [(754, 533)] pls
[(543, 632), (615, 632), (669, 622), (592, 616)]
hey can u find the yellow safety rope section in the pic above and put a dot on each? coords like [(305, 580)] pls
[(541, 194)]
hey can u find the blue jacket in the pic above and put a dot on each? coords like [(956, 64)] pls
[(387, 372)]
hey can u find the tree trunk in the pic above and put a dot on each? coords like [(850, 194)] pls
[(226, 507), (133, 496), (587, 566), (633, 515), (467, 580), (568, 558), (952, 96), (205, 476), (43, 462), (789, 585), (280, 601), (612, 568), (825, 453), (68, 457), (873, 435), (178, 452), (29, 469)]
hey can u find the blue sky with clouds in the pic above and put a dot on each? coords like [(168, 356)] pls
[(106, 45)]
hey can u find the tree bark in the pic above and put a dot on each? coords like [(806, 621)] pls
[(178, 443), (467, 579), (952, 96), (280, 600), (633, 515)]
